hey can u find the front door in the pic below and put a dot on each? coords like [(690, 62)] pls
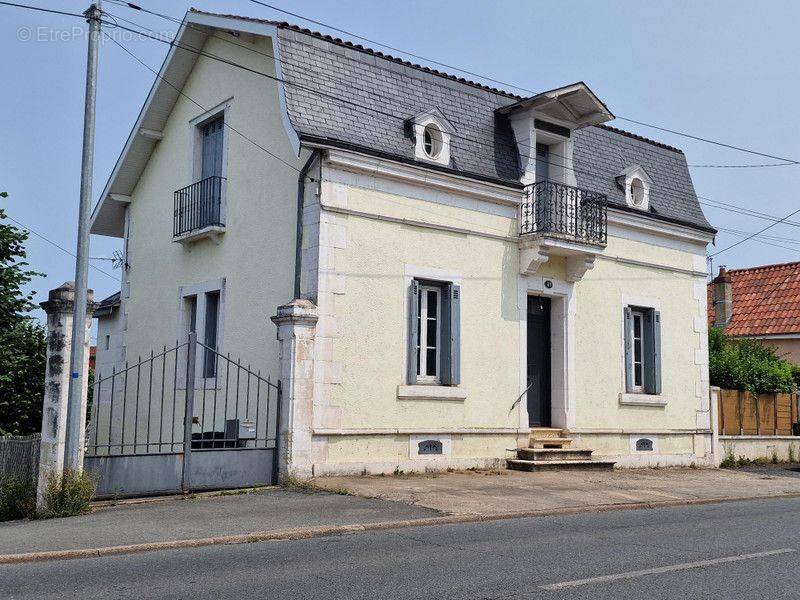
[(538, 361)]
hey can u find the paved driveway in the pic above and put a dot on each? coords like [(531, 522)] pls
[(493, 492)]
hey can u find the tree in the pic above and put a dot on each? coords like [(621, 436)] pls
[(746, 364), (22, 339)]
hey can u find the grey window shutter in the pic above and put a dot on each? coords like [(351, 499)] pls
[(628, 320), (656, 352), (413, 317), (652, 352), (451, 336)]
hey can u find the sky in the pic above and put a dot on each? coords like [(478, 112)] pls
[(721, 70)]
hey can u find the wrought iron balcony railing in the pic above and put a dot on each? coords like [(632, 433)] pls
[(565, 211), (198, 206)]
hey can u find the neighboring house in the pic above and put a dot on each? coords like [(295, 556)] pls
[(759, 302), (481, 263), (109, 350)]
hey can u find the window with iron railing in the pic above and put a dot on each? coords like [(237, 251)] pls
[(564, 210), (198, 206)]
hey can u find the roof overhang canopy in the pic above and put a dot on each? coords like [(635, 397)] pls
[(574, 103)]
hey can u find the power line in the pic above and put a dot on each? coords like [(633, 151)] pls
[(40, 9), (418, 56), (193, 101), (52, 243), (709, 141), (662, 188), (375, 42), (752, 235), (324, 94)]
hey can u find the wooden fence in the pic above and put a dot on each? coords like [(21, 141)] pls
[(742, 413)]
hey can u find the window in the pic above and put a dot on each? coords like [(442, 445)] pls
[(542, 162), (210, 334), (108, 342), (636, 184), (431, 132), (202, 313), (642, 350), (434, 333), (637, 191), (636, 341), (429, 302), (432, 140)]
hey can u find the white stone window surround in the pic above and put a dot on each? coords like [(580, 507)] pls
[(562, 347), (199, 291), (636, 183), (637, 398), (426, 390), (441, 130), (196, 147)]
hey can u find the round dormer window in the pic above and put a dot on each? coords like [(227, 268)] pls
[(637, 191), (432, 140)]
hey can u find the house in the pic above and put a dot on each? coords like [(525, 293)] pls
[(472, 264), (759, 302)]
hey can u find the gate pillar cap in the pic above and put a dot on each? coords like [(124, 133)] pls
[(61, 299), (299, 311)]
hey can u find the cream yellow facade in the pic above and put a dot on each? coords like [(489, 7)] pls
[(370, 227), (384, 233), (254, 257)]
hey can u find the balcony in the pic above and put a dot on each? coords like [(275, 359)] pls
[(561, 220), (199, 210)]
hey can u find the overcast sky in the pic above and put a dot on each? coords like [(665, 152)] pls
[(724, 70)]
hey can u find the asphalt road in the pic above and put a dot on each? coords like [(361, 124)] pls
[(735, 550)]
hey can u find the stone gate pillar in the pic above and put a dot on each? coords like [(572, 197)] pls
[(59, 307), (296, 323)]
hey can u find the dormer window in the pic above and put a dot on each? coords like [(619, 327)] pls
[(637, 191), (636, 183), (431, 133), (432, 141)]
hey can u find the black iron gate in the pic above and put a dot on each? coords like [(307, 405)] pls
[(186, 418)]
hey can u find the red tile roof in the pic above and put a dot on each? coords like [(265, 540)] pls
[(766, 300)]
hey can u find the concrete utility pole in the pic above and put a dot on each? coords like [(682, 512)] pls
[(73, 451)]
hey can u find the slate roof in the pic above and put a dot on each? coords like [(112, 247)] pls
[(766, 300), (344, 94)]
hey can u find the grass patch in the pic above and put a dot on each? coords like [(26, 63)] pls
[(67, 495), (17, 499), (291, 482)]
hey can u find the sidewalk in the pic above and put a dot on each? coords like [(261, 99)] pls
[(389, 502), (206, 517)]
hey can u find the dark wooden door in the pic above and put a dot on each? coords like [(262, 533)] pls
[(539, 361)]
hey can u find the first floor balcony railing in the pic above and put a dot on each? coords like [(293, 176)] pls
[(564, 211), (198, 206)]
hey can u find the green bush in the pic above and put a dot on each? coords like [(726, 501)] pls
[(67, 495), (17, 499), (747, 365)]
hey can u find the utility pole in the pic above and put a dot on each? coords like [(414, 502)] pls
[(76, 382)]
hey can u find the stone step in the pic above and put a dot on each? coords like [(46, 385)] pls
[(550, 442), (543, 432), (559, 465), (554, 454)]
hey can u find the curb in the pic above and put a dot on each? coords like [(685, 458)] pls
[(334, 530)]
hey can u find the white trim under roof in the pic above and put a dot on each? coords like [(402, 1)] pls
[(108, 214)]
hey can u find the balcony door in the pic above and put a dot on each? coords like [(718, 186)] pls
[(211, 163), (539, 402)]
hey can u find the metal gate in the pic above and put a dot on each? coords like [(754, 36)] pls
[(186, 418)]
